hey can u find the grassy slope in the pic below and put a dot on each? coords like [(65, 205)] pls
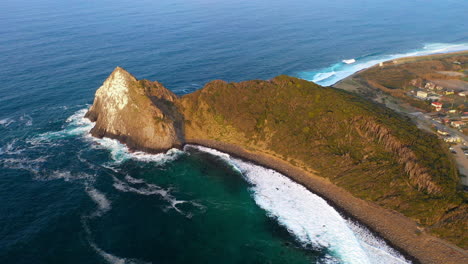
[(339, 136)]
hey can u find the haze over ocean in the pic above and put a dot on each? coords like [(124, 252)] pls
[(68, 198)]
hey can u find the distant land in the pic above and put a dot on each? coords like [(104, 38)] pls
[(369, 161), (431, 90)]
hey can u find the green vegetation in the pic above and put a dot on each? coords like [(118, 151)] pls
[(365, 148)]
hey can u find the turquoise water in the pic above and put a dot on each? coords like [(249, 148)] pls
[(68, 198)]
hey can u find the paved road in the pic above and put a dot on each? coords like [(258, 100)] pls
[(462, 162)]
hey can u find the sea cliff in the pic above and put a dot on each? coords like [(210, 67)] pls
[(140, 114), (365, 159)]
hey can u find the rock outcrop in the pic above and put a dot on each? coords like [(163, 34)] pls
[(140, 114)]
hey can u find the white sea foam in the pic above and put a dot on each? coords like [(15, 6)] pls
[(304, 214), (376, 248), (67, 176), (11, 148), (309, 218), (112, 259), (148, 189), (120, 152), (78, 125), (130, 179), (6, 122), (31, 165), (321, 76), (350, 61), (103, 204), (26, 119), (334, 73)]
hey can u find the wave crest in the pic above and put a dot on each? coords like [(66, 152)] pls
[(336, 72)]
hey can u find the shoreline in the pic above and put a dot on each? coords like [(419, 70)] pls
[(402, 60), (397, 230)]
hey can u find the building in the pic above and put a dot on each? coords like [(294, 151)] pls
[(462, 93), (437, 106), (457, 124), (433, 97), (421, 94), (430, 86), (442, 132), (449, 92), (452, 139)]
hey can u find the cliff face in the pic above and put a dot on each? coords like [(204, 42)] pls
[(140, 114), (364, 148)]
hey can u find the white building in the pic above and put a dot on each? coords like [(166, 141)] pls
[(421, 94), (453, 139)]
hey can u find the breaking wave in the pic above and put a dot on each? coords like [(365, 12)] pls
[(78, 125), (309, 218), (336, 72), (120, 152)]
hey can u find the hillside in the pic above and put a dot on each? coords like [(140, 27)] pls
[(364, 148), (369, 150)]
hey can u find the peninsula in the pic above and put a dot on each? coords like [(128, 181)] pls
[(370, 162)]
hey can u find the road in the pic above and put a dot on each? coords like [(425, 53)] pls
[(462, 162)]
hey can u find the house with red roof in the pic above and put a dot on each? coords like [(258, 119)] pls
[(437, 106)]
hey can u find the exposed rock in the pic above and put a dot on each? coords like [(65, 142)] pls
[(140, 114)]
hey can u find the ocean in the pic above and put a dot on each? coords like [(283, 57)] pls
[(66, 197)]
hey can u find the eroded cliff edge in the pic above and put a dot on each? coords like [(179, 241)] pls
[(140, 114), (369, 151)]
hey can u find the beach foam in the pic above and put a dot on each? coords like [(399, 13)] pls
[(336, 72), (309, 218), (376, 248)]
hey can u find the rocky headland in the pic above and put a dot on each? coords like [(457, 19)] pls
[(367, 160)]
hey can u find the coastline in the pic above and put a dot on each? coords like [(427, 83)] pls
[(396, 229), (401, 60)]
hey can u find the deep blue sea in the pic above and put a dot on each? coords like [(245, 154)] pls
[(66, 197)]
